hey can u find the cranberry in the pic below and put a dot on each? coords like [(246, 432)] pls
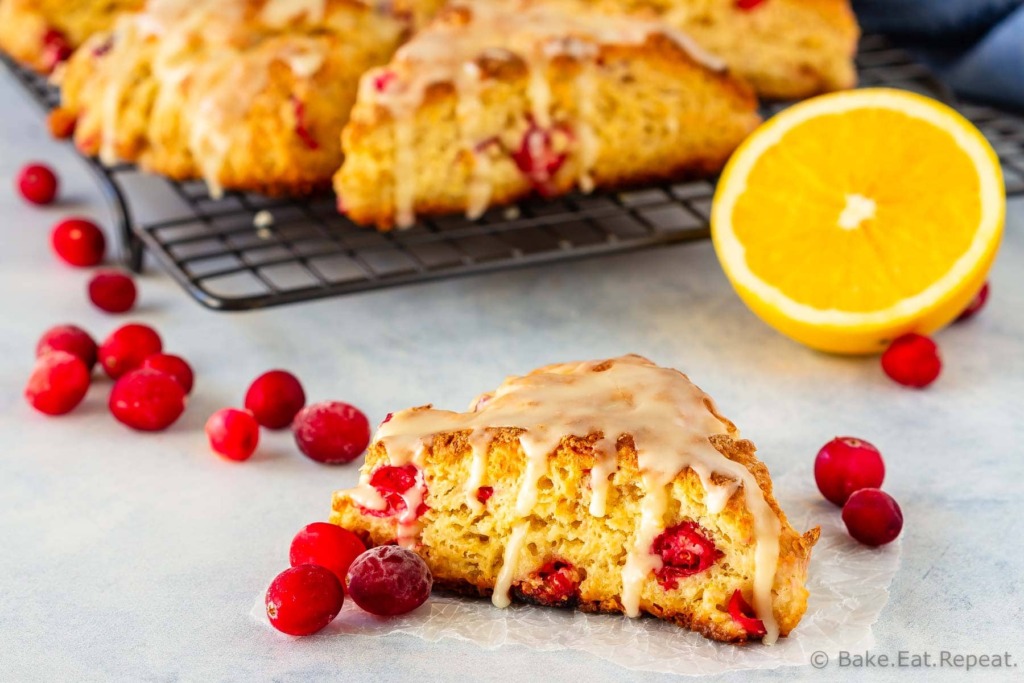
[(332, 432), (557, 583), (912, 360), (391, 482), (389, 580), (175, 366), (484, 493), (327, 545), (384, 80), (845, 465), (79, 242), (58, 383), (56, 49), (304, 599), (127, 347), (976, 305), (233, 433), (275, 398), (38, 184), (112, 292), (70, 338), (873, 517), (685, 550), (539, 157), (147, 400), (747, 5), (743, 614), (301, 129)]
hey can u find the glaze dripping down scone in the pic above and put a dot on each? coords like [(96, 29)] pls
[(42, 33), (608, 486), (245, 94), (497, 99)]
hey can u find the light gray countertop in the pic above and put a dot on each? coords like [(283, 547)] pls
[(137, 557)]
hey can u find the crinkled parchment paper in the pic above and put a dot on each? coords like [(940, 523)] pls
[(848, 583)]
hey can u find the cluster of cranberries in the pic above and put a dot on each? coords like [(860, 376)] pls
[(79, 242), (326, 563), (849, 473)]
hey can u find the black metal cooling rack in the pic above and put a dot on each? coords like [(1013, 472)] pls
[(243, 251)]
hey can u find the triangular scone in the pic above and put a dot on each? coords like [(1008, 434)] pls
[(609, 486), (499, 98)]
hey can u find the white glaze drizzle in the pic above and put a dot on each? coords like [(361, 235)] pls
[(533, 31), (669, 420)]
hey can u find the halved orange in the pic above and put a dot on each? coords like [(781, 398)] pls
[(851, 218)]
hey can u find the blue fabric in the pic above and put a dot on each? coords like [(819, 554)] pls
[(977, 45)]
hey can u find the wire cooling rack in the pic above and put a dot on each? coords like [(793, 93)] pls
[(244, 251)]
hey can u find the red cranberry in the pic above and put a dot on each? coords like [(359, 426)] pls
[(912, 360), (147, 400), (70, 338), (127, 347), (79, 242), (38, 184), (302, 600), (845, 465), (559, 583), (685, 550), (389, 580), (384, 80), (538, 157), (391, 482), (56, 49), (484, 493), (233, 433), (327, 545), (873, 517), (175, 366), (112, 292), (332, 432), (58, 383), (976, 305), (275, 398), (743, 614), (301, 129), (747, 5)]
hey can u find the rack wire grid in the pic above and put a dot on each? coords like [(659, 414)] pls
[(244, 251)]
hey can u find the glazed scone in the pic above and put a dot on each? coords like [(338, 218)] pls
[(43, 33), (787, 49), (609, 486), (245, 94), (500, 98)]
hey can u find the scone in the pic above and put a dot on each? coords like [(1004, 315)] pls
[(608, 486), (42, 33), (245, 94), (497, 99), (787, 49)]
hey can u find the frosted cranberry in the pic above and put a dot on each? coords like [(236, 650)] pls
[(58, 383), (685, 550), (147, 400), (976, 305), (275, 398), (175, 366), (233, 433), (112, 292), (845, 465), (912, 360), (873, 517), (748, 5), (78, 242), (540, 154), (743, 614), (389, 580), (38, 184), (558, 582), (56, 49), (332, 432), (391, 482), (484, 493), (127, 347), (70, 338), (327, 545), (304, 599)]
